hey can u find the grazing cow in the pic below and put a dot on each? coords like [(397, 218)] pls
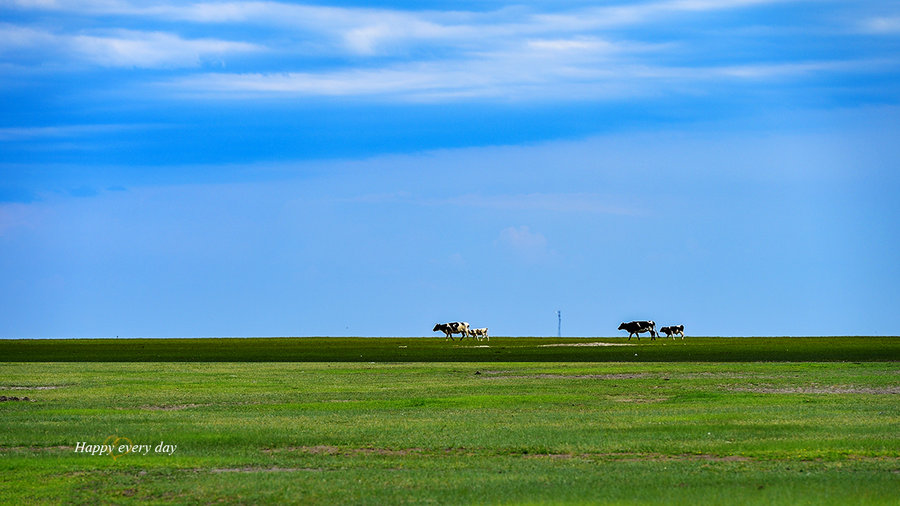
[(482, 332), (671, 330), (452, 328), (637, 327)]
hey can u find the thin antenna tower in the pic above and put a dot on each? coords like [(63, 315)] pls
[(559, 324)]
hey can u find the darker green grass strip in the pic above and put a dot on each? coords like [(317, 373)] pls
[(356, 349)]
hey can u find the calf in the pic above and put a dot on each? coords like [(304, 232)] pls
[(637, 327), (482, 332), (671, 330)]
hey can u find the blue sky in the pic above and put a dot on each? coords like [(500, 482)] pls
[(280, 169)]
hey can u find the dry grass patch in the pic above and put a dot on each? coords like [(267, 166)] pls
[(249, 469), (613, 376), (335, 450), (172, 407), (23, 387), (640, 457), (582, 344), (816, 389), (639, 400), (36, 448)]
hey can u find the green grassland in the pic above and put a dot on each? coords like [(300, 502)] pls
[(435, 349), (516, 431)]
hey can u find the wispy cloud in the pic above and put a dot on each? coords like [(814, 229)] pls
[(119, 48), (329, 18), (63, 131), (514, 53), (152, 49), (357, 30), (371, 31), (885, 25), (642, 12), (522, 242), (522, 238), (579, 203), (504, 77)]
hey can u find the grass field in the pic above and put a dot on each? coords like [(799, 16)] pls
[(498, 349), (691, 429)]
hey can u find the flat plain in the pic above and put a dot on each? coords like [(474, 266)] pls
[(543, 421), (436, 349)]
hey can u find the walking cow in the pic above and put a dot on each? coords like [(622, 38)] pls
[(638, 327), (671, 330), (452, 328)]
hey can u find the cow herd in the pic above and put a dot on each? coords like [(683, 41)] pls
[(638, 327), (461, 328), (633, 328)]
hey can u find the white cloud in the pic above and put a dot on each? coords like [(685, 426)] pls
[(528, 245), (13, 37), (152, 49), (502, 76), (510, 54), (640, 13), (340, 83), (370, 31), (26, 133), (358, 30), (509, 77), (887, 25), (120, 48)]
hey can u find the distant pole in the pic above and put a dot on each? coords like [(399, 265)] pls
[(559, 324)]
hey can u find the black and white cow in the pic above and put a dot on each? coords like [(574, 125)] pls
[(671, 330), (479, 334), (452, 328), (637, 327)]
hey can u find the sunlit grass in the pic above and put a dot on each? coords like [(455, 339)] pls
[(789, 433), (436, 349)]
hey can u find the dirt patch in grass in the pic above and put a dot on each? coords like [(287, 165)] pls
[(615, 376), (816, 389), (629, 457), (640, 457), (658, 457), (249, 469), (23, 387), (715, 458), (639, 400), (172, 407), (553, 456), (334, 450), (721, 374), (36, 448), (583, 344), (456, 452)]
